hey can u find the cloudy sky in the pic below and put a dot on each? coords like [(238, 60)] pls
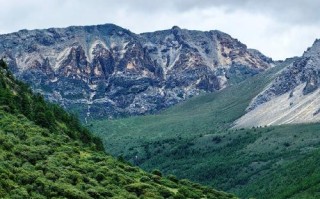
[(278, 28)]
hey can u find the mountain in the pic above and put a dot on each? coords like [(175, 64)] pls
[(292, 97), (195, 140), (46, 153), (107, 71)]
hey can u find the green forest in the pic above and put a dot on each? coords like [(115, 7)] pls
[(46, 153)]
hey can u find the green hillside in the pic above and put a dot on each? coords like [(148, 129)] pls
[(46, 153), (297, 179), (194, 140), (203, 114)]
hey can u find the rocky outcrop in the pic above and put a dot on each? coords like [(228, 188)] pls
[(292, 97), (108, 71)]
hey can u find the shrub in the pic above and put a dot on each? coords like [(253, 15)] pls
[(138, 188), (144, 179), (165, 192), (190, 193), (157, 172), (100, 177), (173, 178), (156, 178)]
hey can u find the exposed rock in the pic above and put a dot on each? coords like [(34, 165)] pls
[(305, 70), (108, 71), (293, 97)]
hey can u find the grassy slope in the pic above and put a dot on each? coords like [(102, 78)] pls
[(200, 115), (43, 156), (193, 140)]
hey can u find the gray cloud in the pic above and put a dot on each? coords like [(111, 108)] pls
[(290, 11)]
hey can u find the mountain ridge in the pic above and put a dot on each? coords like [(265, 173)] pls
[(292, 97), (108, 71)]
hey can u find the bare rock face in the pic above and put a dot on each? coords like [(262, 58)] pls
[(108, 71), (292, 97), (304, 70)]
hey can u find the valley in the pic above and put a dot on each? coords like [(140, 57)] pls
[(197, 139), (180, 104)]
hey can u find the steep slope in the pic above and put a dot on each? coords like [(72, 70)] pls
[(293, 97), (107, 71), (45, 153), (194, 140)]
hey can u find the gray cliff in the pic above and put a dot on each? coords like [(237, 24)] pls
[(107, 71), (305, 70)]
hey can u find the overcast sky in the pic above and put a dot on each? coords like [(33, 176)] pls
[(278, 28)]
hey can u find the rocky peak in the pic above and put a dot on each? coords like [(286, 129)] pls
[(304, 70), (314, 50), (108, 71), (292, 96), (176, 28)]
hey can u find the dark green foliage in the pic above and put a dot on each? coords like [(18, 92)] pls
[(157, 172), (144, 179), (3, 65), (297, 179), (16, 97), (193, 140), (138, 188), (173, 178), (46, 153)]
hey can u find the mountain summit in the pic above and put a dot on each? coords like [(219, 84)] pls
[(108, 71)]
